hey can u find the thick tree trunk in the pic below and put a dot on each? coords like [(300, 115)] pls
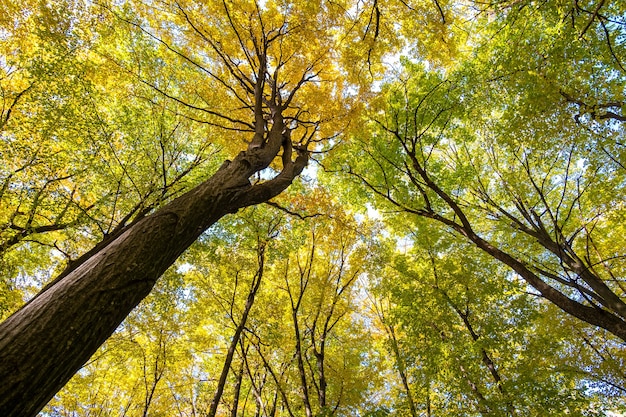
[(43, 344)]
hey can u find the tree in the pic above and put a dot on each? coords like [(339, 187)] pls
[(525, 187), (319, 286), (48, 339)]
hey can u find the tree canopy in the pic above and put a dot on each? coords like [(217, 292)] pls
[(312, 208)]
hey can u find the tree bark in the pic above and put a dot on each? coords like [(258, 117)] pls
[(43, 344)]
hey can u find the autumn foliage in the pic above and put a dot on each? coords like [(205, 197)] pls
[(312, 208)]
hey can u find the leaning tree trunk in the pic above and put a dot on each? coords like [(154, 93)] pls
[(43, 344)]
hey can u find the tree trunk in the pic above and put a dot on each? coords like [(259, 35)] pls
[(254, 288), (401, 368), (235, 409), (301, 371), (43, 344)]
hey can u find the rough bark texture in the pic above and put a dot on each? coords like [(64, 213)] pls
[(43, 344)]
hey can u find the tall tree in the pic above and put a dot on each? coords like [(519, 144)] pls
[(48, 339), (518, 171)]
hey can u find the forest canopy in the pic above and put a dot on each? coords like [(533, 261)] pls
[(312, 208)]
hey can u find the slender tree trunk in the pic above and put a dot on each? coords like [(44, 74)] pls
[(43, 344), (401, 369), (274, 407), (255, 388), (277, 381), (487, 361), (319, 360), (157, 373), (254, 287), (301, 371), (483, 405), (428, 405), (464, 315), (234, 410), (305, 273)]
